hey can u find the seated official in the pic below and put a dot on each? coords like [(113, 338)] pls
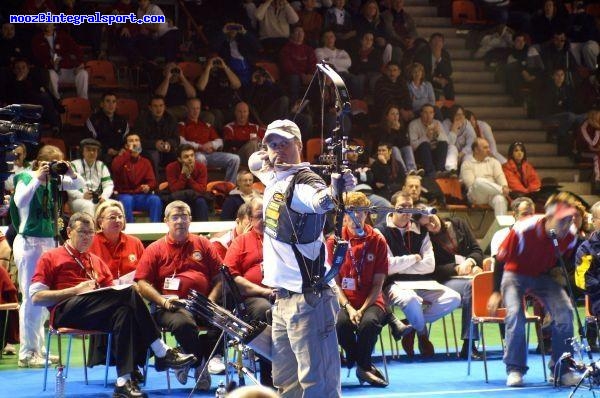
[(360, 281), (244, 259), (168, 270), (242, 193), (410, 283), (221, 241), (457, 254), (61, 278), (187, 180)]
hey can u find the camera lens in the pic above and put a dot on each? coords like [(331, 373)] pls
[(58, 168), (175, 71)]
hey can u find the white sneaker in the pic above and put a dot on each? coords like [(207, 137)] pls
[(514, 379), (570, 379), (32, 361), (216, 366), (182, 374), (9, 349), (205, 380)]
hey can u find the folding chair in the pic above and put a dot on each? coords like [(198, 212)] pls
[(77, 111), (102, 74), (483, 287)]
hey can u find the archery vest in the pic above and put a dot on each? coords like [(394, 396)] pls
[(286, 225)]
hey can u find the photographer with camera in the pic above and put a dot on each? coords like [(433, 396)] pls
[(176, 90), (98, 182), (32, 211)]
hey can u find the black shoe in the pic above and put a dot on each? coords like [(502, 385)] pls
[(128, 390), (137, 376), (398, 328), (464, 352), (174, 360), (368, 376)]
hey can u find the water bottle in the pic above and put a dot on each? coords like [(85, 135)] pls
[(221, 390), (59, 392)]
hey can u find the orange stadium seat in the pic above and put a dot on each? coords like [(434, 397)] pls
[(128, 108), (102, 74), (77, 111), (191, 70)]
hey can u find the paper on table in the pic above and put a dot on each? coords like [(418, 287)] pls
[(114, 287), (127, 279)]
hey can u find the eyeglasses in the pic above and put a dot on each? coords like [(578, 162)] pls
[(179, 217), (85, 232), (114, 218)]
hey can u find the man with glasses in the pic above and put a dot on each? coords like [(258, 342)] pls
[(171, 267), (64, 281), (306, 360)]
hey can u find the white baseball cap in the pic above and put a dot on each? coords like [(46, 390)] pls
[(284, 128)]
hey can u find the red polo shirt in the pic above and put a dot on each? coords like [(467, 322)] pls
[(238, 132), (198, 132), (58, 270), (195, 263), (244, 257), (122, 257), (366, 257)]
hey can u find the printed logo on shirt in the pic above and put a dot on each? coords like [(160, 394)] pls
[(132, 258), (197, 256), (370, 257)]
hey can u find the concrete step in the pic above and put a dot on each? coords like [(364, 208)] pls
[(580, 188), (451, 43), (441, 22), (421, 11), (504, 112), (541, 149), (559, 174), (479, 88), (499, 123), (468, 65), (489, 100), (509, 136), (460, 76), (549, 161), (411, 3), (460, 53)]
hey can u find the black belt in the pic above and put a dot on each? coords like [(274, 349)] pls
[(284, 293)]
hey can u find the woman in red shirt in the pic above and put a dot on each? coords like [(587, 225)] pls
[(360, 280), (522, 178)]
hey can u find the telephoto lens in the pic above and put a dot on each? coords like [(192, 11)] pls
[(58, 168)]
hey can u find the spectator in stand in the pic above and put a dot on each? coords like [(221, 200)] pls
[(135, 180), (558, 108), (583, 36), (217, 87), (274, 20), (239, 50), (242, 193), (388, 173), (19, 166), (460, 133), (12, 46), (400, 29), (241, 136), (590, 91), (244, 259), (359, 294), (391, 89), (311, 22), (484, 130), (187, 180), (367, 60), (297, 61), (589, 134), (156, 39), (339, 20), (57, 52), (370, 20), (30, 86), (340, 60), (524, 68), (484, 179), (123, 33), (172, 267), (394, 131), (547, 20), (243, 222), (98, 186), (176, 89), (158, 131), (457, 254), (120, 251), (107, 127), (8, 294), (421, 91), (438, 66), (205, 140), (521, 176), (84, 34), (266, 97), (424, 190), (556, 55), (429, 142)]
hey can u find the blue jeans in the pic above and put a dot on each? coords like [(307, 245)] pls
[(229, 161), (406, 157), (464, 287), (557, 303), (141, 202)]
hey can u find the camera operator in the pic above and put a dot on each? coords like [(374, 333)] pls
[(32, 214), (98, 182), (176, 90)]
